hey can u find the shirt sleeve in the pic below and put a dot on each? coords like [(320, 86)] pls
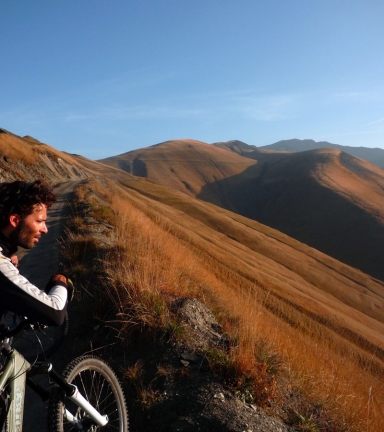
[(18, 295)]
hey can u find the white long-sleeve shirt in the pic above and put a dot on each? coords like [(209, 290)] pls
[(18, 295)]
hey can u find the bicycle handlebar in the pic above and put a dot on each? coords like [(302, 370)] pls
[(8, 333)]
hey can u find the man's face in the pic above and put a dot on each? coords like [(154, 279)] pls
[(30, 229)]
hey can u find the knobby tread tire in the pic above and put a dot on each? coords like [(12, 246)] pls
[(77, 372)]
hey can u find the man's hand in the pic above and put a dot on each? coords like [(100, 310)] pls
[(64, 279), (59, 277), (14, 260), (70, 287)]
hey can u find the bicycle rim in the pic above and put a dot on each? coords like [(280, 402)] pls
[(97, 382)]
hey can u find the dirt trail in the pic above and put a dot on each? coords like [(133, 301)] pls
[(37, 265), (194, 399)]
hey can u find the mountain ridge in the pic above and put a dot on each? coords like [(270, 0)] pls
[(166, 164), (372, 155), (325, 198)]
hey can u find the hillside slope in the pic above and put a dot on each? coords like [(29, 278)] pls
[(319, 314), (299, 273), (270, 258), (184, 165), (27, 159), (324, 198)]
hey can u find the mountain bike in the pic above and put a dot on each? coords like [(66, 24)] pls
[(87, 396)]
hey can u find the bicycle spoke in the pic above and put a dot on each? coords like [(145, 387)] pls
[(98, 384)]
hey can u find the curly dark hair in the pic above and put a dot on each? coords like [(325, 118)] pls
[(20, 197)]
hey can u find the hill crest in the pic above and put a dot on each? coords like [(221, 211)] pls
[(185, 165), (323, 197)]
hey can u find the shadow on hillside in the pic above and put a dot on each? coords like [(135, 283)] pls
[(185, 399), (135, 167), (302, 208), (184, 410)]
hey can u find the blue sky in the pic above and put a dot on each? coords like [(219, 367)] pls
[(102, 77)]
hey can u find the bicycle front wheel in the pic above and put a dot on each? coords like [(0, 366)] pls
[(97, 383)]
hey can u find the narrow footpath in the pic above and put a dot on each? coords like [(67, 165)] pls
[(37, 265)]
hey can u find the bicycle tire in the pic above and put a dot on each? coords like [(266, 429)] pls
[(98, 383), (40, 344)]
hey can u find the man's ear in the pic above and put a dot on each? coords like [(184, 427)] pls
[(14, 220)]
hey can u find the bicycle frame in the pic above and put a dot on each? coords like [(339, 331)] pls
[(14, 375)]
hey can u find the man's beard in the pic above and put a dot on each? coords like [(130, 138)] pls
[(23, 236)]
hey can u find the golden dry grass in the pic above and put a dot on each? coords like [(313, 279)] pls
[(184, 165), (15, 148), (283, 305), (266, 289), (28, 150), (324, 198)]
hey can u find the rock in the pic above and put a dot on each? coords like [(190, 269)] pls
[(205, 328)]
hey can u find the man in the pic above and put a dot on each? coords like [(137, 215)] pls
[(23, 214)]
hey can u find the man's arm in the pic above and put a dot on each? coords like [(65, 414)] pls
[(18, 295)]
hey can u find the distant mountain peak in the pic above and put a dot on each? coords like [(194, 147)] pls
[(295, 145)]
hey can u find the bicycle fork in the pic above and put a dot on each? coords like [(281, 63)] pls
[(72, 393)]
